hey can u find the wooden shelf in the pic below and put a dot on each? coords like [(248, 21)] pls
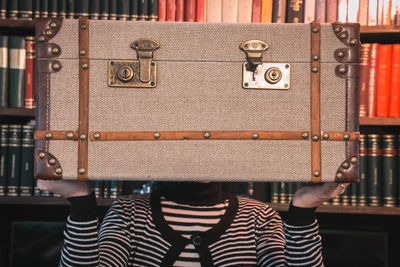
[(17, 23), (380, 121), (47, 201), (380, 29), (346, 209), (17, 112)]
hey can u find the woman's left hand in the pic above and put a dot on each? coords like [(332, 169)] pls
[(313, 195)]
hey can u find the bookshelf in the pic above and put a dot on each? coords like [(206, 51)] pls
[(17, 112), (379, 121)]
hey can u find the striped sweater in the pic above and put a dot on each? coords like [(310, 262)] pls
[(148, 230)]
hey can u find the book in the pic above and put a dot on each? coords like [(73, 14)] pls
[(143, 10), (171, 10), (25, 9), (106, 189), (104, 9), (352, 11), (3, 158), (162, 10), (363, 185), (70, 9), (94, 9), (30, 51), (3, 71), (283, 192), (266, 11), (291, 190), (363, 81), (389, 170), (320, 11), (180, 10), (342, 11), (345, 197), (379, 19), (372, 80), (331, 11), (274, 192), (53, 8), (3, 9), (114, 189), (295, 11), (44, 8), (81, 8), (309, 11), (123, 9), (214, 11), (383, 80), (98, 188), (62, 8), (200, 10), (16, 72), (13, 159), (374, 169), (244, 11), (27, 150), (256, 11), (133, 10), (112, 9), (394, 95), (12, 8), (190, 10), (373, 12), (153, 10), (386, 12), (363, 15), (230, 11)]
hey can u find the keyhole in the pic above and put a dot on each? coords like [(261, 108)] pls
[(125, 73)]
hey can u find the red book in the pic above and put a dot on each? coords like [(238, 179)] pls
[(373, 63), (200, 9), (383, 83), (256, 16), (331, 11), (190, 10), (394, 100), (180, 10), (364, 74), (30, 50), (162, 10), (171, 10)]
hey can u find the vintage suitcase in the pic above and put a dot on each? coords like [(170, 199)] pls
[(196, 101)]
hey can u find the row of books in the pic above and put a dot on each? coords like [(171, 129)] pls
[(16, 71), (380, 80), (107, 189)]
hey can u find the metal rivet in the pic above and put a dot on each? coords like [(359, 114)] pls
[(315, 69), (85, 66), (56, 66), (315, 57), (315, 138), (49, 32), (343, 35), (42, 38), (97, 136), (339, 175), (55, 50), (206, 135), (152, 83), (338, 29), (83, 26), (345, 165), (246, 84), (317, 174), (340, 54), (342, 70), (346, 137), (52, 162), (53, 24), (48, 135), (58, 171), (157, 135), (304, 135), (287, 66), (81, 171), (254, 136), (82, 52), (315, 29), (325, 136), (82, 137), (354, 160), (246, 46), (353, 42), (70, 135), (42, 155)]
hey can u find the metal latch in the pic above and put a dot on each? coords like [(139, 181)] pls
[(135, 73), (260, 75)]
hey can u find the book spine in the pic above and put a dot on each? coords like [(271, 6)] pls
[(342, 10), (379, 20), (3, 71), (133, 10), (274, 192), (44, 8), (256, 11), (244, 11), (320, 11), (81, 8), (374, 169), (383, 83), (363, 15), (295, 11), (98, 188), (25, 9), (70, 9), (372, 80), (113, 10), (266, 11), (190, 10), (394, 7), (282, 193), (214, 11), (153, 10), (113, 189), (122, 9), (162, 10), (104, 9), (30, 51), (27, 150), (336, 201), (3, 9), (331, 10), (373, 12), (62, 8), (53, 8), (14, 159), (364, 74), (94, 9), (36, 190), (291, 190), (106, 189), (171, 10), (309, 11), (394, 100), (12, 6), (352, 11), (200, 10), (389, 170), (363, 185), (386, 12), (230, 11), (16, 73), (142, 10), (180, 10), (3, 158)]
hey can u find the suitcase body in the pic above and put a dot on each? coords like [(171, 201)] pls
[(196, 101)]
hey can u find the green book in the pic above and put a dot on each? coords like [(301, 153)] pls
[(3, 71), (113, 189), (12, 6), (133, 10), (70, 9), (345, 197), (282, 193), (104, 9), (353, 194), (94, 9), (98, 188), (112, 9), (143, 10), (106, 189), (44, 8), (389, 170), (13, 160), (25, 9), (27, 150), (36, 190), (291, 186), (81, 8), (36, 9), (363, 185), (3, 9), (3, 159), (53, 8), (153, 10), (62, 8), (122, 9), (274, 192), (16, 71), (374, 169)]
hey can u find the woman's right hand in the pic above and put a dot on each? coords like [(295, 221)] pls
[(65, 188)]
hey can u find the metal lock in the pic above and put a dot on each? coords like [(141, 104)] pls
[(135, 73)]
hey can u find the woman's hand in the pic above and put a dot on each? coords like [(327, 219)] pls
[(65, 188), (313, 195)]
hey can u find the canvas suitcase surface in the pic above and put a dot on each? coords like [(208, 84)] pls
[(196, 101)]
